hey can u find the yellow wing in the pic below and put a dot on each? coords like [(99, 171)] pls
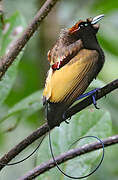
[(70, 81)]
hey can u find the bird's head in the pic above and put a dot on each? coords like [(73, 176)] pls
[(89, 24), (86, 30), (81, 35)]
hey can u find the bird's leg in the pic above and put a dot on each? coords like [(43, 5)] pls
[(92, 94)]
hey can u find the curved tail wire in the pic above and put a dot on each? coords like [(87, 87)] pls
[(80, 177), (27, 157)]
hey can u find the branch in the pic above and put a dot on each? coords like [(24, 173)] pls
[(88, 101), (67, 156), (44, 129), (18, 45)]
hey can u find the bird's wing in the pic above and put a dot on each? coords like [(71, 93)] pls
[(64, 53), (69, 82)]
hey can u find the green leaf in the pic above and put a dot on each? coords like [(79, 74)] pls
[(27, 106), (96, 83), (97, 123), (13, 28), (105, 5), (110, 47)]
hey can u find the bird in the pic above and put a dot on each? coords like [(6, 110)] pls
[(75, 60)]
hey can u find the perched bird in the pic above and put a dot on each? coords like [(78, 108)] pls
[(75, 60)]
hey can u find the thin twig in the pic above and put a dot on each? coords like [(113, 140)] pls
[(18, 45), (44, 129), (67, 156)]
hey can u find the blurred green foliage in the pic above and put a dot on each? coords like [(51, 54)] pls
[(97, 123), (21, 87)]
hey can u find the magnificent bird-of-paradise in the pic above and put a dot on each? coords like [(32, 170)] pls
[(75, 60)]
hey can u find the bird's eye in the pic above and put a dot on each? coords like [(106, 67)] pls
[(78, 26), (83, 25)]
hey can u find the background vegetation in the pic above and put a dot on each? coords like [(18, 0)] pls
[(21, 89)]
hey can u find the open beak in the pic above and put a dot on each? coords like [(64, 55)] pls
[(97, 19)]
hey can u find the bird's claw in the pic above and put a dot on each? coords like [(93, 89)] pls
[(67, 122), (94, 101), (65, 119)]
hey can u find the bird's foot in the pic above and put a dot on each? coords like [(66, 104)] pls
[(92, 94), (65, 119)]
